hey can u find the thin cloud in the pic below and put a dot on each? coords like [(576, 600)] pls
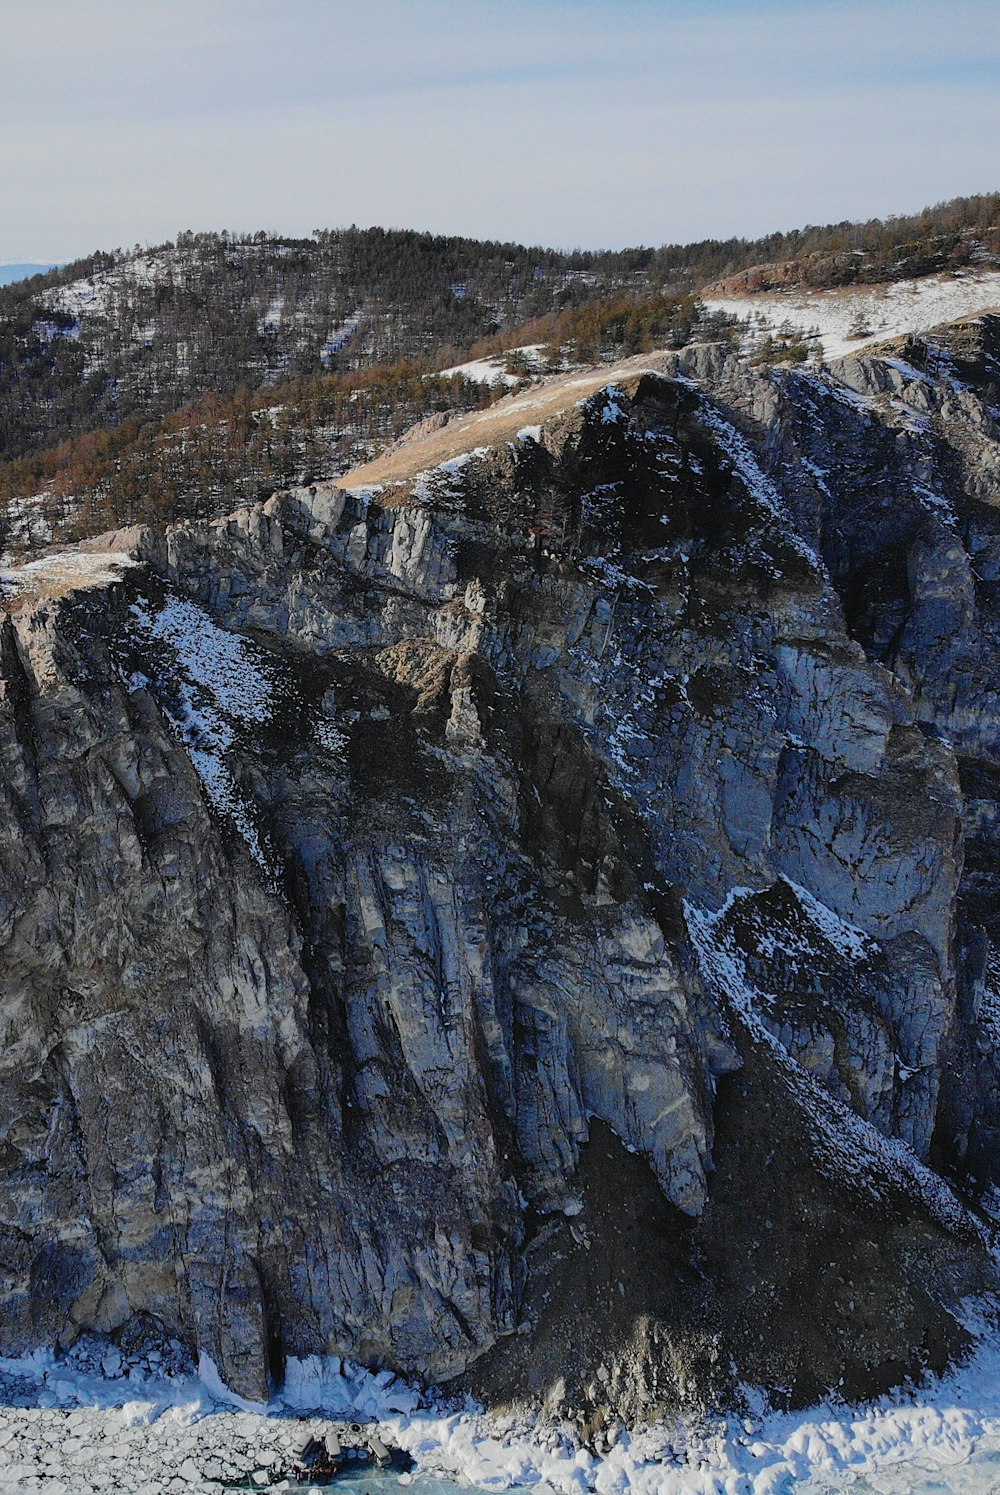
[(558, 121)]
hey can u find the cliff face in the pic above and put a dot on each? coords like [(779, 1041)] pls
[(530, 921)]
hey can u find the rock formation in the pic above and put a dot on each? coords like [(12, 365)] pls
[(529, 919)]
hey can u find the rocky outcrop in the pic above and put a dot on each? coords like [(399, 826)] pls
[(529, 921)]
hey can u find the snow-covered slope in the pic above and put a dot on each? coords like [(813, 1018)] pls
[(61, 571), (494, 370), (93, 295), (848, 318)]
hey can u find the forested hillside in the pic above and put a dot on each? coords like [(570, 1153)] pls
[(218, 452), (181, 379), (146, 333)]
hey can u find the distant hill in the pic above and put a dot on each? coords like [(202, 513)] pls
[(140, 335), (144, 333), (188, 376)]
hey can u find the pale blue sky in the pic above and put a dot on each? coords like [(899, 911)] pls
[(558, 121)]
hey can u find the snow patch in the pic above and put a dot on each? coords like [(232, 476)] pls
[(848, 319), (494, 370), (68, 569), (851, 943), (223, 686), (612, 412), (436, 484), (339, 336), (330, 738), (943, 1435)]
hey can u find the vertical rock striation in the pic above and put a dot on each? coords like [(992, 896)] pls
[(553, 893)]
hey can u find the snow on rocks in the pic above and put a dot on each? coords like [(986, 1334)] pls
[(67, 570), (851, 943), (755, 480), (436, 486), (64, 1428), (220, 688), (851, 1145), (611, 410)]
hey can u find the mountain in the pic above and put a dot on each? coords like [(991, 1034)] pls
[(181, 381), (524, 912), (148, 332), (139, 335)]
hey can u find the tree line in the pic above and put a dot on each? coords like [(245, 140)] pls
[(219, 312), (223, 451)]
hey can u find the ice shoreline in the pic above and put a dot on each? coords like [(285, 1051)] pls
[(68, 1427)]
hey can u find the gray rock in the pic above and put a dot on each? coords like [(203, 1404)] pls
[(472, 832)]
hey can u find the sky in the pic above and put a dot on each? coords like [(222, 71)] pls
[(564, 122)]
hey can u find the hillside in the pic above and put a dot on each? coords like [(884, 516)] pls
[(180, 380), (838, 321), (143, 333)]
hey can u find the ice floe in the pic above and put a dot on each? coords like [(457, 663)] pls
[(65, 1426)]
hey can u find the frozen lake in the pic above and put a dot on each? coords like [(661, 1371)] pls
[(977, 1475), (361, 1481), (72, 1428)]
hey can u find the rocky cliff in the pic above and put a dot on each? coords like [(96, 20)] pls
[(526, 915)]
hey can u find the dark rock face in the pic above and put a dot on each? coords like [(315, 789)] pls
[(536, 926)]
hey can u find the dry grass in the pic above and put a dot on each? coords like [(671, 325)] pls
[(491, 427), (60, 572)]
